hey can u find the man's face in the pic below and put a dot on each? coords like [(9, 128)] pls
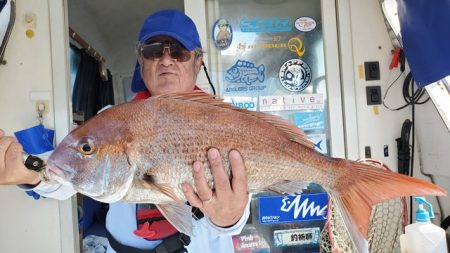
[(164, 74)]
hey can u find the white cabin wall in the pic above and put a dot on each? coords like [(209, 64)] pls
[(28, 225), (83, 22), (370, 42)]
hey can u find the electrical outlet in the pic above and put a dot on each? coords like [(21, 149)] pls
[(367, 152), (42, 106)]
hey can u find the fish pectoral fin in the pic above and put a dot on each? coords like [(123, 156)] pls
[(148, 181), (179, 215), (289, 187)]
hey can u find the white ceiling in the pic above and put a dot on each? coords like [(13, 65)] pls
[(111, 25)]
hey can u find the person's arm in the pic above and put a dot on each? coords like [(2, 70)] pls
[(12, 169), (230, 230), (227, 206), (14, 172)]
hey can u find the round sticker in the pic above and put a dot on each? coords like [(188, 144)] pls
[(222, 34), (295, 75), (305, 24)]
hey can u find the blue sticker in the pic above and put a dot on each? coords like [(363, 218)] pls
[(245, 72), (222, 34), (295, 75), (249, 103), (310, 120), (304, 207), (266, 25)]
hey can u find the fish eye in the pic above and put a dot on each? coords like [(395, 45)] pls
[(86, 146)]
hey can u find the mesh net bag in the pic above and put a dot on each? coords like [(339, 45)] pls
[(387, 222)]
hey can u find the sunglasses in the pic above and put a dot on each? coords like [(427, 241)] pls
[(155, 50)]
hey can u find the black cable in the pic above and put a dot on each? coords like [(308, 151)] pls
[(410, 98), (387, 91), (413, 139), (209, 79)]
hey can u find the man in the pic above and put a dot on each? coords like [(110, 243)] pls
[(169, 59)]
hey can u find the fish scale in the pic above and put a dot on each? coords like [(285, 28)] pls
[(144, 150)]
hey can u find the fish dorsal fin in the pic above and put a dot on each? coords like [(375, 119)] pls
[(290, 131)]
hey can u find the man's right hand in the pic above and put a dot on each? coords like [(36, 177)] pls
[(12, 169)]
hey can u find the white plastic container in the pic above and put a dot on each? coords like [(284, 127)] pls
[(423, 236)]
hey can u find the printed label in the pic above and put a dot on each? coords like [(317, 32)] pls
[(249, 103), (266, 25), (304, 207), (291, 102), (253, 242), (305, 24), (310, 120), (291, 237), (295, 75)]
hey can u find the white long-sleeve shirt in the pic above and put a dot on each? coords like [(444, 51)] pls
[(121, 222)]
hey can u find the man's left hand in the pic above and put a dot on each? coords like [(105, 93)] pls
[(225, 204)]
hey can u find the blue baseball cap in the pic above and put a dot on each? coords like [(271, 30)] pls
[(170, 23)]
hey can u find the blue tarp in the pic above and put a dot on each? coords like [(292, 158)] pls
[(2, 4), (425, 31)]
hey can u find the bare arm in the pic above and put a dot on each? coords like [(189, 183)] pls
[(12, 169)]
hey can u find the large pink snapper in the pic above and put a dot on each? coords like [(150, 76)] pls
[(142, 151)]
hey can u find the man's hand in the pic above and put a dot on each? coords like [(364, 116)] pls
[(225, 204), (12, 169)]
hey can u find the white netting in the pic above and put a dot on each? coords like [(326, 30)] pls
[(386, 225)]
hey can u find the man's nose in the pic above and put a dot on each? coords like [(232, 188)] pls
[(165, 58)]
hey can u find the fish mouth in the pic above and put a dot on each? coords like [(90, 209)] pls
[(60, 173)]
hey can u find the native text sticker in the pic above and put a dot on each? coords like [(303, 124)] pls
[(305, 24), (222, 34), (291, 102), (295, 75)]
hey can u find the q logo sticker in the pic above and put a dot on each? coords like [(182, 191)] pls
[(295, 45)]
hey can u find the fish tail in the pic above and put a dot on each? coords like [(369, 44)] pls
[(366, 186), (261, 73)]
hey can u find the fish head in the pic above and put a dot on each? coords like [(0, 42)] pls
[(232, 74), (94, 160)]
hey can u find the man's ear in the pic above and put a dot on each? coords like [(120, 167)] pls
[(198, 64), (139, 58)]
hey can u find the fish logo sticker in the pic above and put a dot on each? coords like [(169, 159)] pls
[(305, 24), (222, 34), (245, 72), (295, 75), (295, 45)]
